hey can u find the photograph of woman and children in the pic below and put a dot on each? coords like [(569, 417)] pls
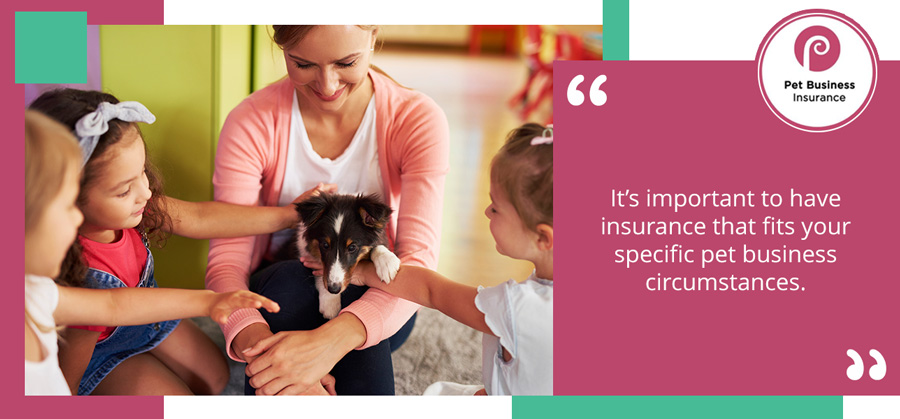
[(449, 128)]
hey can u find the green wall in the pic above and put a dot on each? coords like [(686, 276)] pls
[(268, 59), (190, 77)]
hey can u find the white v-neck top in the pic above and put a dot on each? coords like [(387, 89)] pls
[(355, 171)]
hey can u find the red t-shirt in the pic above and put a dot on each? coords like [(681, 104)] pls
[(124, 258)]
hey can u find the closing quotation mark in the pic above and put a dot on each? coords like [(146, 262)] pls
[(879, 370), (576, 98), (856, 370)]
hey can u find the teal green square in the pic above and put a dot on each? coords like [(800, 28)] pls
[(678, 407), (616, 30), (51, 47)]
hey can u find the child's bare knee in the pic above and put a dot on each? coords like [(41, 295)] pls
[(220, 380), (213, 379)]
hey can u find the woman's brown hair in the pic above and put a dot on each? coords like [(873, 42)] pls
[(525, 173), (68, 106), (287, 36)]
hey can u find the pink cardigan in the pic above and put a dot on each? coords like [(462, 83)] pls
[(413, 152)]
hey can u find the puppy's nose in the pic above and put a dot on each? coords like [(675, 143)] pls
[(334, 288)]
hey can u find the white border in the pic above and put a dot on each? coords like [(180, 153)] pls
[(383, 12), (871, 407), (691, 30), (351, 407)]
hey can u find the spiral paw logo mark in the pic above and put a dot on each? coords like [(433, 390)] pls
[(817, 48)]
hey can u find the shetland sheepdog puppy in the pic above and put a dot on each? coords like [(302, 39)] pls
[(340, 230)]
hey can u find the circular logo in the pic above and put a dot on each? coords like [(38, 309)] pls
[(817, 70)]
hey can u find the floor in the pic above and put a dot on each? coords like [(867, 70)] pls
[(473, 92)]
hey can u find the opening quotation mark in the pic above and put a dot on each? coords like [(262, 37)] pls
[(856, 370), (576, 97)]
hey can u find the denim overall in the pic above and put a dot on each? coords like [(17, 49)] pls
[(125, 341)]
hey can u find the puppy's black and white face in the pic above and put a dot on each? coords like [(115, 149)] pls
[(341, 230)]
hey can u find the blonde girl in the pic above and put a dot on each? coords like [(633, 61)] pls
[(52, 170), (124, 210)]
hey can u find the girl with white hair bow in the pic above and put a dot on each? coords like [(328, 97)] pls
[(124, 210)]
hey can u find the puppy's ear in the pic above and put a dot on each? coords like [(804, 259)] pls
[(373, 212), (311, 209)]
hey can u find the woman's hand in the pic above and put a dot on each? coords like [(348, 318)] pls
[(295, 362), (223, 304), (248, 337)]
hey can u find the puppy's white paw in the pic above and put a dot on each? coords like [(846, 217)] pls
[(386, 263), (329, 305)]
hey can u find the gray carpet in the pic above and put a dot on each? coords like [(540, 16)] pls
[(439, 349)]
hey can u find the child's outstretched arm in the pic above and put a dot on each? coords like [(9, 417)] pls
[(134, 306), (431, 289), (213, 220)]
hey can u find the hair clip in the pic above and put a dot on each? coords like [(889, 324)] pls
[(545, 138), (91, 126)]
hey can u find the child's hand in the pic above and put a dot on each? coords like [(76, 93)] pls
[(290, 210), (224, 304), (325, 387), (328, 384), (313, 264), (318, 189), (364, 274)]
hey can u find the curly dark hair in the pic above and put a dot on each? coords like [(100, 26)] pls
[(68, 106)]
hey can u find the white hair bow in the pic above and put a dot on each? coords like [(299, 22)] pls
[(91, 126)]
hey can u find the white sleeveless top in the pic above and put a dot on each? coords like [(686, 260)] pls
[(521, 317), (43, 378), (355, 171)]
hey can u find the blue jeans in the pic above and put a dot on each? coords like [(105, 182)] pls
[(125, 341), (290, 284)]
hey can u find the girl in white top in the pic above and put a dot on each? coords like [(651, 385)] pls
[(52, 171), (516, 318)]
